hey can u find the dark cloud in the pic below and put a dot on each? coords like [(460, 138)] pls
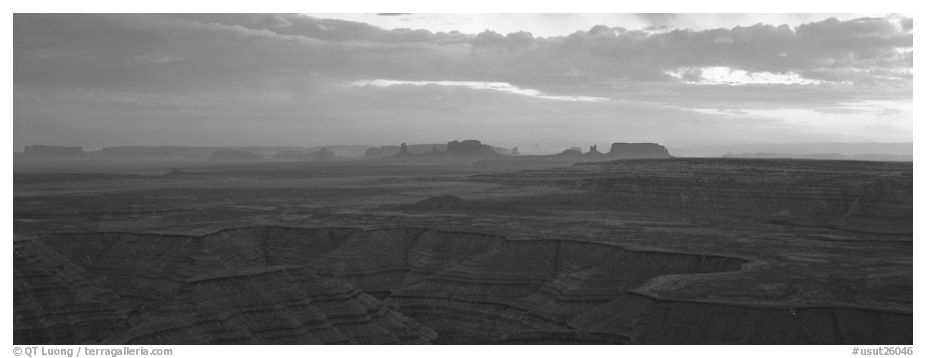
[(493, 40), (296, 67), (253, 43), (907, 24)]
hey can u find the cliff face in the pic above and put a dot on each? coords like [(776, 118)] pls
[(538, 288), (271, 305), (403, 285), (222, 288), (57, 302)]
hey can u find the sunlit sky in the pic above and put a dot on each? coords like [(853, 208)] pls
[(546, 25), (98, 80)]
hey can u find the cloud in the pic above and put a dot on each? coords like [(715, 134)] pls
[(287, 68), (826, 51), (476, 85), (720, 75)]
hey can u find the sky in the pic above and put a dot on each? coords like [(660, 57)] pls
[(531, 80)]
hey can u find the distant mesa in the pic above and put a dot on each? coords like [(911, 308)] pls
[(456, 149), (159, 153), (322, 154), (391, 150), (638, 151), (465, 151), (574, 152), (443, 202), (292, 155), (381, 152), (593, 151), (190, 153), (344, 151), (405, 153), (156, 153), (470, 148), (52, 152), (506, 151), (618, 151), (231, 154), (403, 149)]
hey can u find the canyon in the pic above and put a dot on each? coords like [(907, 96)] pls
[(654, 251)]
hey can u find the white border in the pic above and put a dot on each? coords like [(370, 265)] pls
[(472, 6)]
